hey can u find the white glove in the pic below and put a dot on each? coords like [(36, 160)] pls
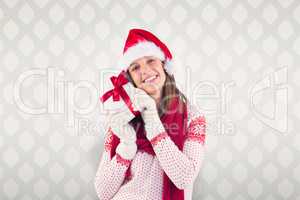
[(143, 101), (147, 105), (118, 122)]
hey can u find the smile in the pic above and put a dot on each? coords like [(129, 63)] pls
[(150, 79)]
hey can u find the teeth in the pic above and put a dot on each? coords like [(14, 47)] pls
[(150, 79)]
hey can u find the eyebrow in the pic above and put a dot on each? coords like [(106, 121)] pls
[(133, 64), (148, 57)]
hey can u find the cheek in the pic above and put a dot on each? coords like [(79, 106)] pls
[(161, 74), (163, 80), (136, 78)]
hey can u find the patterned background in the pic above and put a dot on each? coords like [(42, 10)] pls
[(54, 153)]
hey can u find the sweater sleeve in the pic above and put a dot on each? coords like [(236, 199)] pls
[(111, 172), (182, 167)]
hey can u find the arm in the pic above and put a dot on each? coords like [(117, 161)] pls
[(111, 172), (182, 167)]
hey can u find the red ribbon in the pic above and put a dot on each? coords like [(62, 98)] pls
[(118, 91)]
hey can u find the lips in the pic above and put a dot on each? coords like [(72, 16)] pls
[(150, 79)]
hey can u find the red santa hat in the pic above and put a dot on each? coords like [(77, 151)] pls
[(141, 43)]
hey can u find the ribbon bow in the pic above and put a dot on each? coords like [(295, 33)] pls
[(118, 91)]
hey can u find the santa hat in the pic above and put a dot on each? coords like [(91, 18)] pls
[(141, 43)]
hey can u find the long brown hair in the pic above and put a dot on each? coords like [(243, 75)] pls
[(169, 91)]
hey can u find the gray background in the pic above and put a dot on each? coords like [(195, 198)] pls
[(45, 157)]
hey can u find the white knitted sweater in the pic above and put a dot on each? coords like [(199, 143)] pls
[(146, 182)]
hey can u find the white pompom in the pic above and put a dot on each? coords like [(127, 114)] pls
[(169, 67)]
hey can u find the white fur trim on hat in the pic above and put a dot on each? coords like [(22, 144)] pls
[(169, 66), (139, 50)]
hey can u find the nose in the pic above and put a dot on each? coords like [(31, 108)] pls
[(145, 68)]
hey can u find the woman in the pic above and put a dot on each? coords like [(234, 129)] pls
[(158, 154)]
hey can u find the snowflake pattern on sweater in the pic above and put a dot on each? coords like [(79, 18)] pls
[(145, 183)]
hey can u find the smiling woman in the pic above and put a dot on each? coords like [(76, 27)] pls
[(158, 154), (148, 73)]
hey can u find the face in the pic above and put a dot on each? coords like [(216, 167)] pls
[(148, 74)]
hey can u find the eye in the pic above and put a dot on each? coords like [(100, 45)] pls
[(151, 60), (134, 67)]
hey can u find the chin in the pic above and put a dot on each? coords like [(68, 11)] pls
[(151, 89)]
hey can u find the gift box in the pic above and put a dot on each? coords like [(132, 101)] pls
[(117, 99)]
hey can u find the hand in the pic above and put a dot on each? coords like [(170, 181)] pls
[(127, 147), (118, 122), (142, 100), (147, 106)]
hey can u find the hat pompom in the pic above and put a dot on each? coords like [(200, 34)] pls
[(169, 66)]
